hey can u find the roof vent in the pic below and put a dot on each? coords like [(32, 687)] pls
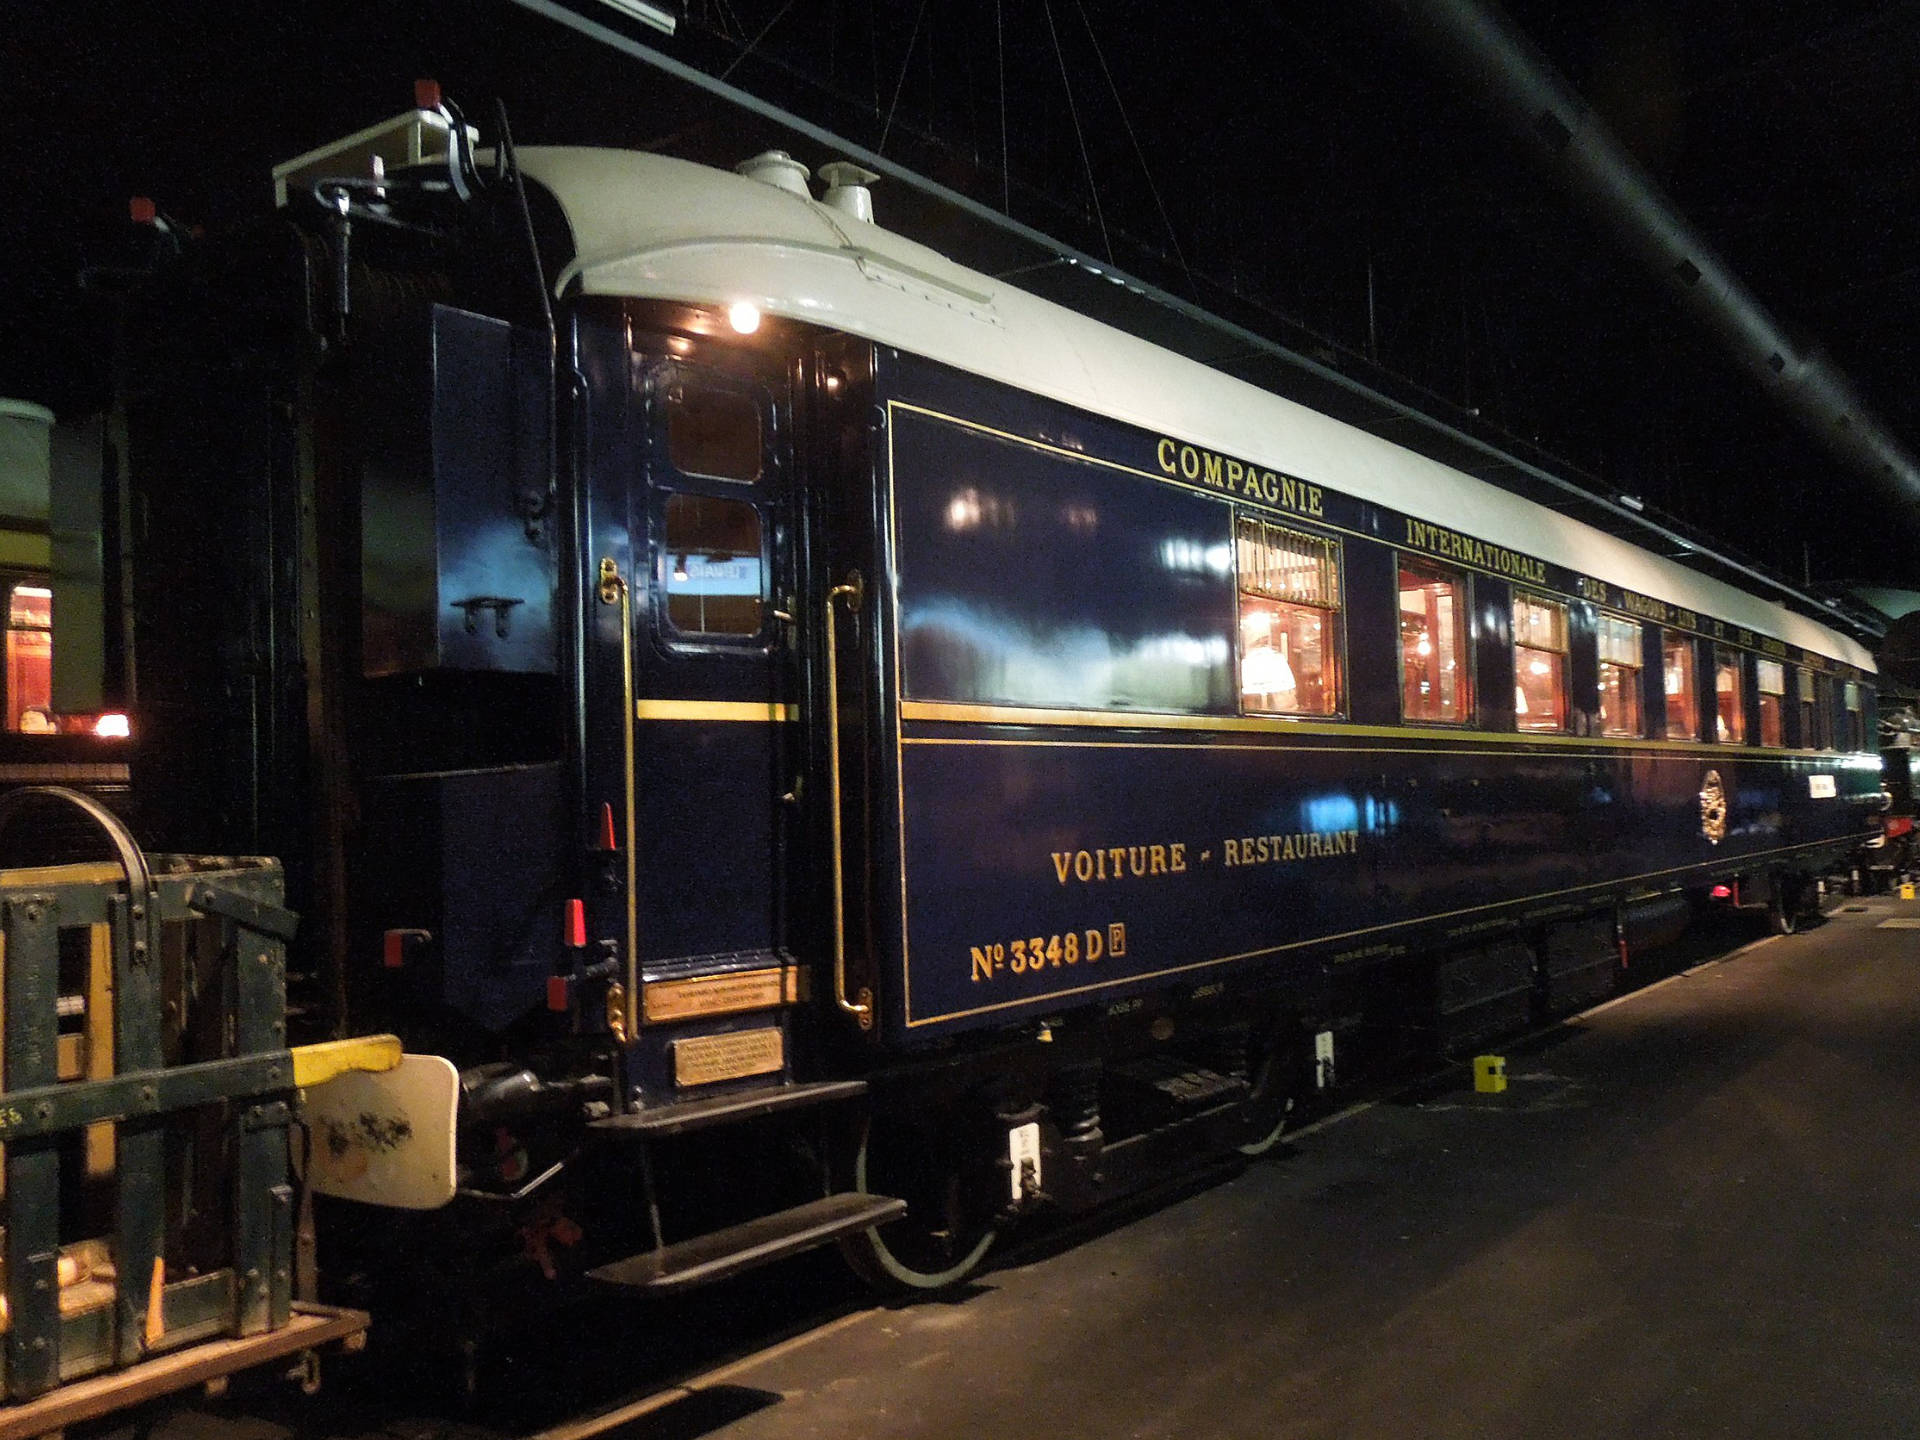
[(778, 169), (847, 189)]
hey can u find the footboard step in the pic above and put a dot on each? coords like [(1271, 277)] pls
[(706, 1258), (682, 1116)]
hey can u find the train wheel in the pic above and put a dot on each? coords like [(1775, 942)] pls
[(1270, 1105), (1787, 904), (951, 1222)]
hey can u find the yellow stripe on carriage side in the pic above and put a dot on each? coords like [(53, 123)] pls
[(1279, 726), (737, 711)]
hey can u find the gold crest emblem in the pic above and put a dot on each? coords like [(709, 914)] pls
[(1713, 808)]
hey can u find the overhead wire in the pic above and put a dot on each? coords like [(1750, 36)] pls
[(1139, 154), (1073, 112), (906, 60), (754, 43), (1000, 62)]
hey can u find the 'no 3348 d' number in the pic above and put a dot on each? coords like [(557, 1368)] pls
[(1046, 952)]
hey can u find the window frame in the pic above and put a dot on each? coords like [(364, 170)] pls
[(666, 480), (1335, 611), (1637, 668), (1467, 653), (14, 582), (672, 635), (1728, 657), (1760, 694), (1816, 704), (1564, 689), (1692, 643), (675, 380)]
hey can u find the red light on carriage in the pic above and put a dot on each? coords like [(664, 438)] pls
[(426, 94), (141, 210), (605, 840), (1721, 892), (576, 924), (559, 994)]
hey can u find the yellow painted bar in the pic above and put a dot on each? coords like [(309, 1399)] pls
[(317, 1064), (762, 712)]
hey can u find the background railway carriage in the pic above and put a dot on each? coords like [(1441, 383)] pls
[(805, 727)]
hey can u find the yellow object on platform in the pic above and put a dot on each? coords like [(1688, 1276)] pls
[(317, 1064), (1489, 1074), (1906, 889)]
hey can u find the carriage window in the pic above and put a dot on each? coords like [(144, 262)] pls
[(714, 432), (1772, 679), (1730, 717), (1289, 619), (30, 660), (1816, 711), (1539, 663), (1620, 662), (1433, 643), (1683, 702), (710, 570), (1856, 716)]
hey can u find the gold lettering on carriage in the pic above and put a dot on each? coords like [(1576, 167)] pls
[(1237, 477), (1494, 559), (1278, 849), (1119, 862)]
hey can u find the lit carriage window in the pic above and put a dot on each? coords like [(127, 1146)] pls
[(1289, 620), (1856, 716), (710, 570), (1620, 663), (1683, 697), (1539, 663), (713, 431), (1433, 643), (30, 659), (1771, 679), (1730, 714)]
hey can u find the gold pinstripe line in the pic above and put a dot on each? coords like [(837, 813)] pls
[(1475, 741)]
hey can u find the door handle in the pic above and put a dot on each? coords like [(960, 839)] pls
[(861, 1007)]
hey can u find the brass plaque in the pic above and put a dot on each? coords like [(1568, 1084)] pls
[(722, 994), (703, 1059)]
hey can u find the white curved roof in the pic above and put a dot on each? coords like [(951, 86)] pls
[(654, 227)]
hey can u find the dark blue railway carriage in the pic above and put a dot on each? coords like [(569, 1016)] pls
[(807, 729)]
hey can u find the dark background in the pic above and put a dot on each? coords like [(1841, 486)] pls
[(1304, 168)]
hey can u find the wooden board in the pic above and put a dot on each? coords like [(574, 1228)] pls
[(311, 1326)]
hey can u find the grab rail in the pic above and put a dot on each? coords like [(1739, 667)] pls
[(861, 1008)]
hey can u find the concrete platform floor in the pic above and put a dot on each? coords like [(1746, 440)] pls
[(1695, 1212)]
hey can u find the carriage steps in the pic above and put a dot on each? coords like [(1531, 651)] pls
[(714, 1256), (680, 1117), (702, 1259)]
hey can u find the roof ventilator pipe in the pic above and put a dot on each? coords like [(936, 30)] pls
[(847, 189), (778, 169), (1495, 63)]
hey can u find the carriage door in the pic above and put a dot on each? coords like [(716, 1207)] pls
[(713, 694)]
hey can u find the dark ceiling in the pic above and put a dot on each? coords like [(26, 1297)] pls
[(1307, 170)]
